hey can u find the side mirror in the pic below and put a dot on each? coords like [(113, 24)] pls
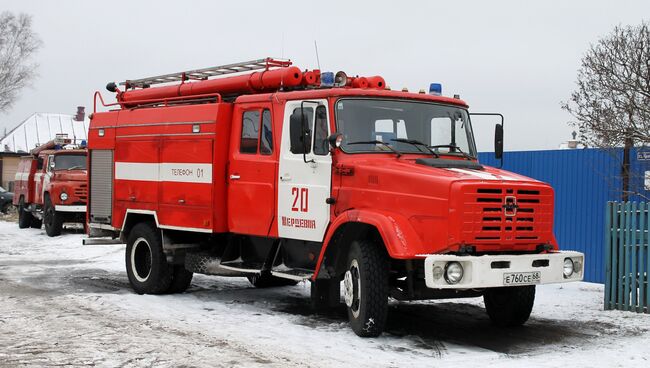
[(298, 134), (335, 140), (498, 141), (52, 165)]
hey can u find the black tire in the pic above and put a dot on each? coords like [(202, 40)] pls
[(52, 219), (24, 217), (181, 279), (509, 306), (366, 288), (4, 208), (266, 280), (146, 263)]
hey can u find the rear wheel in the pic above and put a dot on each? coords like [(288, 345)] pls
[(52, 219), (146, 264), (366, 288), (509, 306), (24, 217)]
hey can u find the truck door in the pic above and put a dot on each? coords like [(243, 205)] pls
[(305, 171), (252, 170)]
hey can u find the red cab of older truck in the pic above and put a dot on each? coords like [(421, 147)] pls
[(262, 170), (51, 186)]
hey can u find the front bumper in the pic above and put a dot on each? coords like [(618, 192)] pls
[(66, 208), (498, 270)]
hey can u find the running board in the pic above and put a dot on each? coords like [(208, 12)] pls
[(242, 266), (101, 241), (293, 274)]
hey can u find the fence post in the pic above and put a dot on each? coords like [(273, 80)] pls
[(620, 251), (647, 268), (608, 254), (642, 253), (633, 248)]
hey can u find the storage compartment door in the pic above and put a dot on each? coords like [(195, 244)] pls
[(101, 186)]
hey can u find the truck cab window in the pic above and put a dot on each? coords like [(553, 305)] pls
[(266, 134), (321, 146), (39, 164), (300, 135), (69, 162), (249, 132)]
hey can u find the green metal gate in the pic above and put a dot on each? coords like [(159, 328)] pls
[(626, 256)]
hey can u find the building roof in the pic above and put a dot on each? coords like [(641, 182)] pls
[(41, 128)]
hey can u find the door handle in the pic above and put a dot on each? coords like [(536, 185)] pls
[(181, 201), (234, 177), (285, 177)]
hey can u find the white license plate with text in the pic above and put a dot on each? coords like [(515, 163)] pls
[(522, 278)]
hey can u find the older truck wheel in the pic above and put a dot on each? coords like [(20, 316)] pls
[(509, 306), (146, 264), (52, 219), (24, 218), (366, 288)]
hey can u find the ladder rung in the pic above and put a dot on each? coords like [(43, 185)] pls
[(209, 72)]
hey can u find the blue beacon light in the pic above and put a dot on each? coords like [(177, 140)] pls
[(435, 89)]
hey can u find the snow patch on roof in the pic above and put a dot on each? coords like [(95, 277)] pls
[(40, 128)]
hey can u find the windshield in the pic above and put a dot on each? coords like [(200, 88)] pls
[(444, 129), (70, 162)]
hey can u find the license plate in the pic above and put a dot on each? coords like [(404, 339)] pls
[(522, 278)]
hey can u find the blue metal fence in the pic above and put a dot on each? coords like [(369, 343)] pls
[(627, 256), (584, 181)]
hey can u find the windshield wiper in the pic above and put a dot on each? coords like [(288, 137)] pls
[(378, 142), (75, 168), (453, 147), (417, 144)]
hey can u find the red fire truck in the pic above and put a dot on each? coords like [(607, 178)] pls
[(51, 185), (263, 170)]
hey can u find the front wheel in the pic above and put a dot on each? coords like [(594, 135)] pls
[(509, 306), (52, 219), (24, 218), (366, 288), (146, 264)]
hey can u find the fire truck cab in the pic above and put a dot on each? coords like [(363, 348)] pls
[(51, 186), (282, 175)]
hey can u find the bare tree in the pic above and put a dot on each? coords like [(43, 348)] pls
[(18, 43), (611, 105), (612, 101)]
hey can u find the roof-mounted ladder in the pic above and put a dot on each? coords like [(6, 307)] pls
[(205, 73)]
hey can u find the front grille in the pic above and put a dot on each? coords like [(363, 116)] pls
[(506, 215), (81, 192)]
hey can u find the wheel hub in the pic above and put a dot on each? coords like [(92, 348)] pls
[(348, 291), (352, 288)]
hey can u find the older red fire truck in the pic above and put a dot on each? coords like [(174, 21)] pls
[(263, 170), (51, 185)]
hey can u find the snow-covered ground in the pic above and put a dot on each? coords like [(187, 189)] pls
[(62, 303)]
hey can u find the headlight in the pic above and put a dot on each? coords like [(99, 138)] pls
[(453, 272), (568, 268), (63, 196)]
